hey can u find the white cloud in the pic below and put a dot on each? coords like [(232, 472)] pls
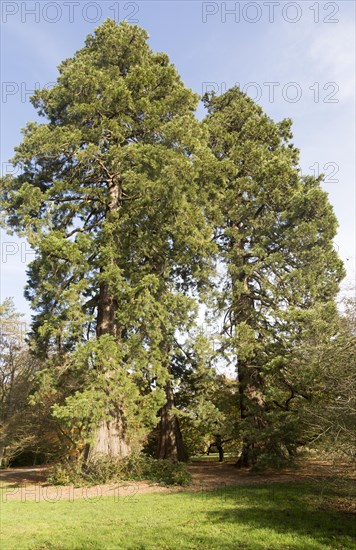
[(332, 52)]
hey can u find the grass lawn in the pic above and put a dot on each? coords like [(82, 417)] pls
[(213, 457), (275, 516)]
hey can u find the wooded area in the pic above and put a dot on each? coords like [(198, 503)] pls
[(144, 219)]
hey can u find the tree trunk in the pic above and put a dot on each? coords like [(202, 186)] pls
[(2, 454), (106, 313), (110, 438), (251, 409), (247, 457), (218, 443), (170, 445), (249, 379)]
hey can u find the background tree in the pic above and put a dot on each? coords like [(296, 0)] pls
[(275, 231), (206, 401), (15, 373), (327, 367), (27, 432)]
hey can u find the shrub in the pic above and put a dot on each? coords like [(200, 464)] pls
[(166, 472), (67, 473), (110, 469)]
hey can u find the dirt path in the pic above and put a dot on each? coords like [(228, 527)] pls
[(30, 483)]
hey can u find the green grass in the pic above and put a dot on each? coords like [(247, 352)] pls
[(213, 457), (271, 517)]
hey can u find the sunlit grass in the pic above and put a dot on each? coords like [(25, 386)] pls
[(256, 517), (213, 457)]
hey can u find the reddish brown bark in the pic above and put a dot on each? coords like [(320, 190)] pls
[(170, 444)]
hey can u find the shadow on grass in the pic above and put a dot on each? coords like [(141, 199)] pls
[(286, 510), (251, 517)]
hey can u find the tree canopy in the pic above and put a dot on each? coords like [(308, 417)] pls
[(139, 213)]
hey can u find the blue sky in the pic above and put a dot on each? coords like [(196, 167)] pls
[(295, 58)]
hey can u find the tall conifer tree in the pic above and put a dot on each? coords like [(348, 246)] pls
[(275, 231), (108, 198)]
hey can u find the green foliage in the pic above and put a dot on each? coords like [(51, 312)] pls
[(109, 196), (128, 200), (206, 402), (327, 361), (106, 469), (273, 445), (113, 178), (67, 473), (167, 472), (27, 431), (275, 232)]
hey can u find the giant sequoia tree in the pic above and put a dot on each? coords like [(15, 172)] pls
[(275, 231), (126, 197), (108, 198)]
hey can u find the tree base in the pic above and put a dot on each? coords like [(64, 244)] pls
[(248, 457), (109, 441)]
